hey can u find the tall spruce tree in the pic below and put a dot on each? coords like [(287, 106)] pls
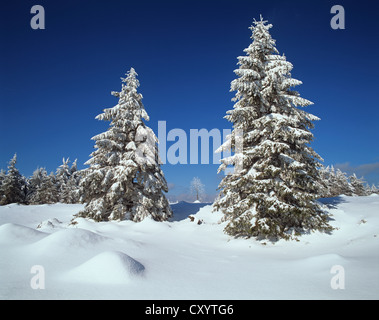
[(273, 193), (124, 180)]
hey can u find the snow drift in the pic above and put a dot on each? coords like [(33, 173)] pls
[(11, 233), (109, 267), (183, 258)]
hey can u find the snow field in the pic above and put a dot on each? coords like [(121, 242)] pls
[(181, 259)]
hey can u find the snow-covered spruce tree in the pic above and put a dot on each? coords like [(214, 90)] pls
[(124, 180), (2, 177), (62, 176), (68, 182), (13, 185), (336, 182), (273, 193), (42, 188), (341, 184), (357, 185), (49, 189), (70, 193), (374, 189), (325, 176), (34, 183)]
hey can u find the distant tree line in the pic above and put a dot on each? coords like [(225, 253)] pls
[(335, 182), (64, 185), (40, 188)]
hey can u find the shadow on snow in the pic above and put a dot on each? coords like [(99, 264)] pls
[(332, 202)]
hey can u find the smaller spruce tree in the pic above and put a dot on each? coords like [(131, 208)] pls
[(124, 180), (13, 185), (357, 185), (42, 188)]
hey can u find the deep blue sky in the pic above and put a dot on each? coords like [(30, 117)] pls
[(53, 82)]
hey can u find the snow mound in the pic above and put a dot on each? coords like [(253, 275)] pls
[(11, 233), (50, 224), (207, 215), (109, 267), (69, 239)]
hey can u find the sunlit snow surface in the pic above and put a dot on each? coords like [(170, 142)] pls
[(185, 258)]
